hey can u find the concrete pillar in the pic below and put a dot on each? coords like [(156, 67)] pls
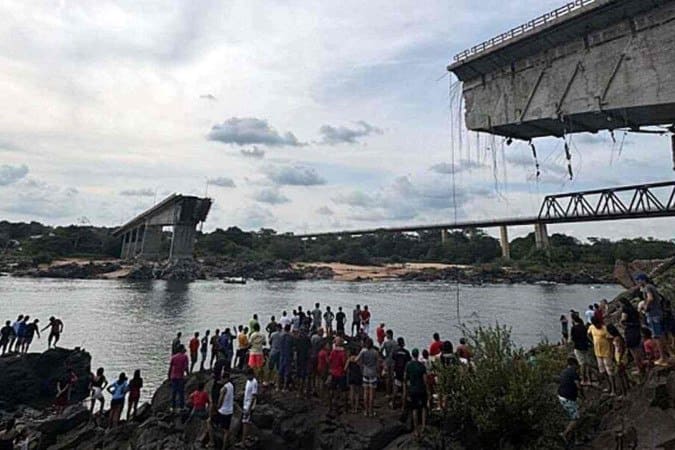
[(124, 248), (135, 236), (504, 242), (183, 241), (127, 245), (541, 236), (152, 242), (444, 236)]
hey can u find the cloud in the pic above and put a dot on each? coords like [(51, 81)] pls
[(294, 175), (355, 198), (270, 196), (463, 165), (12, 174), (344, 135), (208, 97), (254, 217), (222, 182), (255, 153), (325, 211), (145, 192), (249, 130), (31, 198)]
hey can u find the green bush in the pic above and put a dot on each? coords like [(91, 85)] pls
[(508, 399)]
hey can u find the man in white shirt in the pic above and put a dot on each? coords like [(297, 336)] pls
[(250, 397), (285, 320), (588, 315), (223, 418)]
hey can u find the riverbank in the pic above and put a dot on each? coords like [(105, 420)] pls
[(279, 270)]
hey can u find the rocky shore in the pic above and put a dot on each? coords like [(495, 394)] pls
[(279, 270), (281, 420)]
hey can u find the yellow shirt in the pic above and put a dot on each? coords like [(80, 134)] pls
[(601, 341)]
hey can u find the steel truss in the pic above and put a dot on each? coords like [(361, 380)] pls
[(626, 202)]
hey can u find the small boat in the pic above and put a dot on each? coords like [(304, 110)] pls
[(234, 280)]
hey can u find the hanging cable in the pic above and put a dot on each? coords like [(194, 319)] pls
[(568, 156), (536, 161)]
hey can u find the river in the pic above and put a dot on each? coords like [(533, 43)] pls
[(129, 325)]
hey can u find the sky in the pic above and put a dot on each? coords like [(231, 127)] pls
[(298, 116)]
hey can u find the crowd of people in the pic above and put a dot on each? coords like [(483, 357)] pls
[(310, 353), (603, 351), (18, 336)]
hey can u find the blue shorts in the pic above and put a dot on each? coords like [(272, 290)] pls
[(656, 326), (274, 360), (570, 407)]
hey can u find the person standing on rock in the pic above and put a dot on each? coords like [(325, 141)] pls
[(435, 347), (655, 313), (257, 342), (271, 327), (250, 400), (175, 345), (178, 369), (215, 347), (568, 391), (6, 334), (21, 334), (96, 386), (135, 386), (194, 351), (254, 320), (118, 390), (63, 387), (204, 349), (602, 347), (380, 333), (387, 350), (316, 317), (415, 392), (564, 329), (29, 333), (337, 363), (590, 312), (199, 399), (630, 319), (581, 345), (401, 358), (369, 359), (226, 346), (340, 319), (356, 320), (56, 326), (328, 317), (15, 336), (284, 320), (355, 381), (285, 357), (365, 320), (223, 417)]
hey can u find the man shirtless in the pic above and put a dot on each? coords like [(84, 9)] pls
[(56, 326)]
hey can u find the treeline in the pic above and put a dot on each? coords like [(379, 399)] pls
[(43, 242)]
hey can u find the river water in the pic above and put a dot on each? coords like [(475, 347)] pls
[(129, 325)]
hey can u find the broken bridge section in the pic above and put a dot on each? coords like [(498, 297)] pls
[(142, 235), (590, 65)]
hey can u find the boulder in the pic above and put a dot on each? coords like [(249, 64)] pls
[(52, 428), (31, 379)]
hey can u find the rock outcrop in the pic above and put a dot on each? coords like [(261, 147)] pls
[(30, 380)]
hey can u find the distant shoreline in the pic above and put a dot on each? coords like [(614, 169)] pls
[(210, 269)]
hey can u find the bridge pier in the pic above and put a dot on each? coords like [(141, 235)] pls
[(504, 242), (541, 236), (444, 236), (152, 242), (183, 241)]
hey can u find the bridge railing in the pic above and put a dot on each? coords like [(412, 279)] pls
[(522, 29), (621, 202)]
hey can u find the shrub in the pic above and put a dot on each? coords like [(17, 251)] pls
[(508, 399)]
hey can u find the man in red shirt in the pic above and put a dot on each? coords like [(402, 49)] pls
[(337, 361), (365, 320), (178, 368), (435, 347), (200, 402), (380, 332), (194, 351)]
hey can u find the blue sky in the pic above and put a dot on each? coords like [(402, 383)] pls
[(304, 116)]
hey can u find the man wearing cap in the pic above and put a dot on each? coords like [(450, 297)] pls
[(415, 391), (654, 313)]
